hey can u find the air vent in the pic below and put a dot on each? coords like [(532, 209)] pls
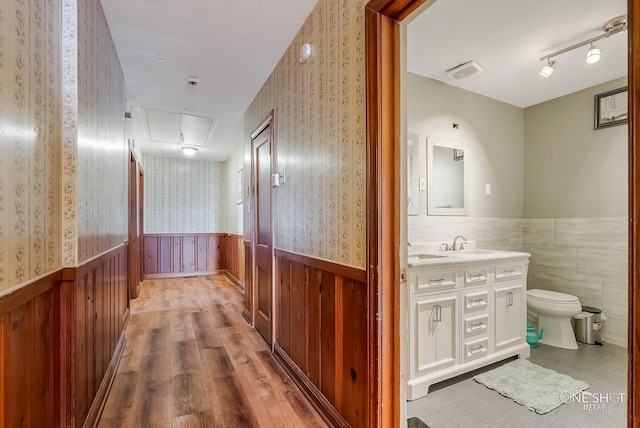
[(465, 70)]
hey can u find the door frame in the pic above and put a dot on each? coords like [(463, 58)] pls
[(267, 121), (135, 222), (383, 75)]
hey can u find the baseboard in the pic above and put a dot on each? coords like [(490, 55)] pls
[(95, 411), (182, 274), (324, 408), (239, 284)]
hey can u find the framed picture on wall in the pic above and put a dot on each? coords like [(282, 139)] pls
[(611, 108)]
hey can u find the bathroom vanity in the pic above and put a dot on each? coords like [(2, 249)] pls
[(467, 310)]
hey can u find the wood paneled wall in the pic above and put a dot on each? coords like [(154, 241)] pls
[(59, 341), (322, 336), (30, 355), (186, 254), (247, 311), (232, 257), (101, 313)]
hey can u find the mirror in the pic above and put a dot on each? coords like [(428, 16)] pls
[(416, 174), (447, 177)]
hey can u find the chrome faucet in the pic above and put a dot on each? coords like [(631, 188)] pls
[(455, 242)]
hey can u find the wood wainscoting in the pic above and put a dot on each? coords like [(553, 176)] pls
[(60, 340), (247, 311), (31, 357), (101, 314), (194, 254), (321, 335)]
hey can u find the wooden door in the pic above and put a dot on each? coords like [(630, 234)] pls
[(263, 290), (135, 244)]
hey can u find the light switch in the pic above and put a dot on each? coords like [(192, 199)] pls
[(422, 184), (487, 189)]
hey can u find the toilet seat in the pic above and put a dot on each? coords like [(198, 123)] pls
[(549, 296)]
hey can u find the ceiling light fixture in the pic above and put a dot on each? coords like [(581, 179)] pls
[(611, 27), (548, 68), (593, 55), (188, 150)]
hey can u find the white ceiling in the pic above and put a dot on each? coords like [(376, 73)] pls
[(508, 37), (231, 47)]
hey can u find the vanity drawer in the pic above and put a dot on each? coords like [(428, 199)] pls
[(476, 349), (477, 276), (434, 280), (476, 326), (506, 272), (474, 302)]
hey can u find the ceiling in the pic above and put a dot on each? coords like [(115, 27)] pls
[(508, 37), (229, 48)]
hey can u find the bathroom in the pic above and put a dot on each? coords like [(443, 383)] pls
[(540, 179)]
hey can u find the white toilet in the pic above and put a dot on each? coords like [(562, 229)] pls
[(553, 312)]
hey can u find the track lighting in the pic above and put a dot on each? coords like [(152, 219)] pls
[(610, 28), (548, 68), (593, 55)]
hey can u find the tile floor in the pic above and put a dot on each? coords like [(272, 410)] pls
[(462, 402)]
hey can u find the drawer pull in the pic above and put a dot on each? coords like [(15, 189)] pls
[(476, 302), (478, 326), (438, 281), (476, 349), (476, 277), (509, 272)]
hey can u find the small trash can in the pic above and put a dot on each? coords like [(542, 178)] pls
[(588, 325)]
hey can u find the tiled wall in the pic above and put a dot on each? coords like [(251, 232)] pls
[(30, 135), (183, 195), (585, 257), (319, 116)]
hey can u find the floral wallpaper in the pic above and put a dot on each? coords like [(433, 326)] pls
[(102, 152), (320, 140), (30, 135), (183, 195)]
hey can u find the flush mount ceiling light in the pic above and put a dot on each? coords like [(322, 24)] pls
[(611, 27), (548, 68), (188, 150), (593, 55)]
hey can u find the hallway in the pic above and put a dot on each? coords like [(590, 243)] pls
[(191, 360)]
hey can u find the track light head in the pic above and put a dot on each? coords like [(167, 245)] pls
[(548, 68), (593, 55)]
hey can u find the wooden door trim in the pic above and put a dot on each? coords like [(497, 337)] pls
[(383, 190), (633, 340), (267, 121), (382, 47)]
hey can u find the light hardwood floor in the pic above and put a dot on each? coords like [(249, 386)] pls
[(191, 360)]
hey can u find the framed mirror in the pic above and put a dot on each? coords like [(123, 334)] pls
[(447, 177), (416, 174)]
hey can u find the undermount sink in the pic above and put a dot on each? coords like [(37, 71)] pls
[(431, 256), (477, 252)]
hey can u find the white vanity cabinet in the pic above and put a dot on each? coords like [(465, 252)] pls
[(435, 332), (465, 313)]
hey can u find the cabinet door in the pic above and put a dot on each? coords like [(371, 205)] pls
[(510, 315), (435, 335)]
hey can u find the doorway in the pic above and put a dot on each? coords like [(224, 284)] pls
[(262, 142), (384, 135), (136, 206)]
